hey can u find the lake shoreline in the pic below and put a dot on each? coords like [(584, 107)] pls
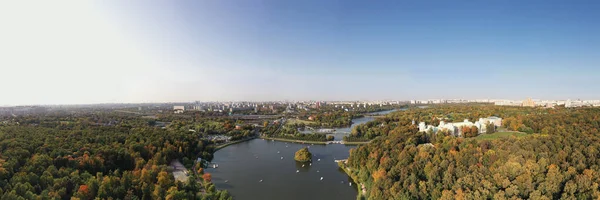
[(233, 142), (359, 185), (238, 172), (311, 142), (357, 143), (294, 141)]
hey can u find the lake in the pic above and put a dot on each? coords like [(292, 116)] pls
[(239, 165), (243, 165)]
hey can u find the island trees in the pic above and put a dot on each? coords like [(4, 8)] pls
[(303, 155), (330, 138)]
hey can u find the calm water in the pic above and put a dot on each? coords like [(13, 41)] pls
[(238, 164)]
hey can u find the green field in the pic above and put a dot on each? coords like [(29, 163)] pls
[(497, 135)]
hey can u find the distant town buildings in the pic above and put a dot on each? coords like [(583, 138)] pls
[(505, 102), (549, 103), (581, 103), (441, 101)]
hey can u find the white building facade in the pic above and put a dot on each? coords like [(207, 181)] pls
[(455, 128)]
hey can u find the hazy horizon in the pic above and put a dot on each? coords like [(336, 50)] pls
[(90, 52)]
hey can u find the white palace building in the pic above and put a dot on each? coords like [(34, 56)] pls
[(455, 127)]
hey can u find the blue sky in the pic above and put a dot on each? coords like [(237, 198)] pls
[(156, 51)]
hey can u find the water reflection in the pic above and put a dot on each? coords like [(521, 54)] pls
[(243, 171)]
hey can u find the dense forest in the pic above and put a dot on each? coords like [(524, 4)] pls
[(560, 157), (106, 157)]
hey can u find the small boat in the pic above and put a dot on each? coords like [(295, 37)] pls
[(226, 181), (342, 182), (302, 165), (319, 159), (297, 171), (281, 157), (260, 181), (321, 178), (317, 170), (310, 164), (277, 151), (350, 184)]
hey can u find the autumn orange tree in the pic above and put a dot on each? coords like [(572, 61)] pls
[(207, 177), (96, 155), (560, 163)]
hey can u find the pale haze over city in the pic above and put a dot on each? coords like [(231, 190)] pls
[(83, 52)]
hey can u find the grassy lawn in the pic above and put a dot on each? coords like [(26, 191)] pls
[(497, 135)]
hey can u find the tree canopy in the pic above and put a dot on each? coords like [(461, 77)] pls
[(303, 155), (559, 159), (98, 155)]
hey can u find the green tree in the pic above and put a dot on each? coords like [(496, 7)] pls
[(490, 128), (303, 155)]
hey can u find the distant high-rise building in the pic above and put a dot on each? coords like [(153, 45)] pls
[(528, 103)]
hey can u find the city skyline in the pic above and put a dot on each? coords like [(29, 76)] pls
[(501, 102), (75, 52)]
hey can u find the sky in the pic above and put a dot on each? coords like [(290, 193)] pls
[(85, 52)]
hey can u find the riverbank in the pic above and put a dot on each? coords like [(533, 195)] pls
[(294, 141), (314, 142), (362, 193), (356, 143), (233, 142)]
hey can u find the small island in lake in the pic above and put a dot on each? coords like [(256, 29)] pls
[(303, 155)]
